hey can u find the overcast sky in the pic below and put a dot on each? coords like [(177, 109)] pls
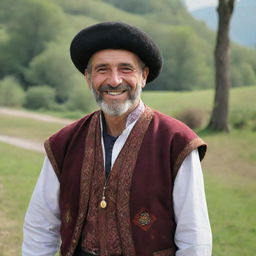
[(196, 4)]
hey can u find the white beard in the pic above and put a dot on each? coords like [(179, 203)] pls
[(116, 108)]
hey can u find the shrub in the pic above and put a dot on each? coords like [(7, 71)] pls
[(11, 93), (243, 119), (191, 117), (40, 97), (53, 68), (80, 99)]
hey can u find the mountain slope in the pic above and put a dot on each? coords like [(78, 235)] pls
[(242, 30)]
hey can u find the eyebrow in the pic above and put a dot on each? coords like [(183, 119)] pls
[(122, 64), (100, 65), (126, 65)]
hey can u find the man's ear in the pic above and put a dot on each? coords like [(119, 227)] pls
[(87, 78), (145, 73)]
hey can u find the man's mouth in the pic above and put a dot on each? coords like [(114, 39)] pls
[(115, 93)]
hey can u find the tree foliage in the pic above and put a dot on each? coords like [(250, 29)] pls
[(36, 23), (35, 45), (11, 93), (40, 97), (80, 99), (53, 68)]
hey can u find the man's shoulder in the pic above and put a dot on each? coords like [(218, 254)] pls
[(71, 128)]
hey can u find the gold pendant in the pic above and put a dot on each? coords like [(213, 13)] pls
[(103, 204)]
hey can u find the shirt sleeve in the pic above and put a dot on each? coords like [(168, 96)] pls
[(193, 234), (41, 235)]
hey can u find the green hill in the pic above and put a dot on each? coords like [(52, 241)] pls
[(35, 45), (241, 30)]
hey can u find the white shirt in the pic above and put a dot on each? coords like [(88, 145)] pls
[(193, 233)]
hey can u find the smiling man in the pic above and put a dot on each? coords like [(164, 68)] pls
[(116, 78), (124, 180)]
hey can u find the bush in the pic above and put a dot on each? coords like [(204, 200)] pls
[(243, 119), (192, 117), (11, 93), (53, 68), (80, 99), (40, 97)]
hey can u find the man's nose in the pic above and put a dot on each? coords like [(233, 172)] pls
[(115, 79)]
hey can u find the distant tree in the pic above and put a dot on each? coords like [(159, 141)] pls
[(41, 96), (186, 67), (219, 117), (54, 68), (36, 23)]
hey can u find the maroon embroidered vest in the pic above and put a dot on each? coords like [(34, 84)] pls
[(144, 208)]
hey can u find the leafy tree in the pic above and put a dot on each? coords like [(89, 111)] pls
[(52, 67), (36, 22), (248, 74), (146, 6), (185, 67)]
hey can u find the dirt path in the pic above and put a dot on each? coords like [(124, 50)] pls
[(23, 143), (36, 116)]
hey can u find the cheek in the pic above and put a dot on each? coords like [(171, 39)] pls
[(132, 81), (97, 82)]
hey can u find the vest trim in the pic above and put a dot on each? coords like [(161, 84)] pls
[(51, 157), (127, 168), (193, 144), (86, 179)]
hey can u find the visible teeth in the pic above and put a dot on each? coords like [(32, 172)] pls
[(115, 93)]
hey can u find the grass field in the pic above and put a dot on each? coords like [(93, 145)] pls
[(242, 98), (18, 173), (229, 169)]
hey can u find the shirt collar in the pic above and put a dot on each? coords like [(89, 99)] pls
[(135, 114)]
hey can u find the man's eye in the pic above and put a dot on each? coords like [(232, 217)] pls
[(101, 70), (127, 69)]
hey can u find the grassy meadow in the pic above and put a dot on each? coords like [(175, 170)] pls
[(229, 171)]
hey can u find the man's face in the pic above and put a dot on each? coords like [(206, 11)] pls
[(116, 78)]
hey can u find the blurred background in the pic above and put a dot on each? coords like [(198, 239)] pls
[(41, 91)]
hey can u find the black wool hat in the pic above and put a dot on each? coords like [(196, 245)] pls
[(115, 35)]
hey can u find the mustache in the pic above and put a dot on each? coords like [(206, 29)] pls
[(120, 87)]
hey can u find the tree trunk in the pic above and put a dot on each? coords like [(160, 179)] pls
[(219, 117)]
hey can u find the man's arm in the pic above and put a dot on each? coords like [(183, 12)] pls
[(42, 221), (193, 233)]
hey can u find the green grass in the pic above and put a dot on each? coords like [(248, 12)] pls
[(232, 214), (19, 170), (230, 181), (242, 98)]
